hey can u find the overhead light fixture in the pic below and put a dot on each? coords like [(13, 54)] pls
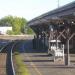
[(72, 22), (63, 22)]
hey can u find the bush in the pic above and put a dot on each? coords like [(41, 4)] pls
[(20, 66), (9, 32), (16, 53)]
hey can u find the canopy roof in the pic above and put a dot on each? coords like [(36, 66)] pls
[(66, 12)]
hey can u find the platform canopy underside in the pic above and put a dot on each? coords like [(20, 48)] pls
[(63, 16)]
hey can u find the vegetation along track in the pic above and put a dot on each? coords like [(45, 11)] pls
[(6, 64)]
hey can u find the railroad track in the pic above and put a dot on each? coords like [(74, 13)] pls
[(6, 63)]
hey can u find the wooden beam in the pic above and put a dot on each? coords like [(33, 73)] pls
[(61, 34), (71, 36)]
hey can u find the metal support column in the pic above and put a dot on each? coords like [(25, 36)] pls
[(67, 59), (68, 56)]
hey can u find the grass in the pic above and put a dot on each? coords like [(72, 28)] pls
[(21, 68)]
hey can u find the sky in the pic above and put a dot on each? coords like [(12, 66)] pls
[(29, 9)]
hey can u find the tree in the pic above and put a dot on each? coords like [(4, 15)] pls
[(17, 24), (9, 32), (30, 31)]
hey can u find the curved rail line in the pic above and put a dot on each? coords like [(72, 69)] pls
[(2, 49), (9, 61)]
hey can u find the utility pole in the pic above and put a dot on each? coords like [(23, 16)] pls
[(58, 3)]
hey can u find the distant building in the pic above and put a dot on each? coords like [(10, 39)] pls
[(4, 29)]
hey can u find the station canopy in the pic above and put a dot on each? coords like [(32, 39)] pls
[(60, 15)]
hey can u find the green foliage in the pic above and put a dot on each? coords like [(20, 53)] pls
[(9, 32), (6, 21), (16, 53), (19, 25), (30, 31), (20, 66)]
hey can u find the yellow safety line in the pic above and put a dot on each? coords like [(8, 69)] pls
[(34, 66)]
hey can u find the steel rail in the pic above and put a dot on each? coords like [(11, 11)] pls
[(9, 65)]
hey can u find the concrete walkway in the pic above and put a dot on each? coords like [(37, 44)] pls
[(39, 63)]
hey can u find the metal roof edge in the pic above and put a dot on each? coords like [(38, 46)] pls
[(67, 6)]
